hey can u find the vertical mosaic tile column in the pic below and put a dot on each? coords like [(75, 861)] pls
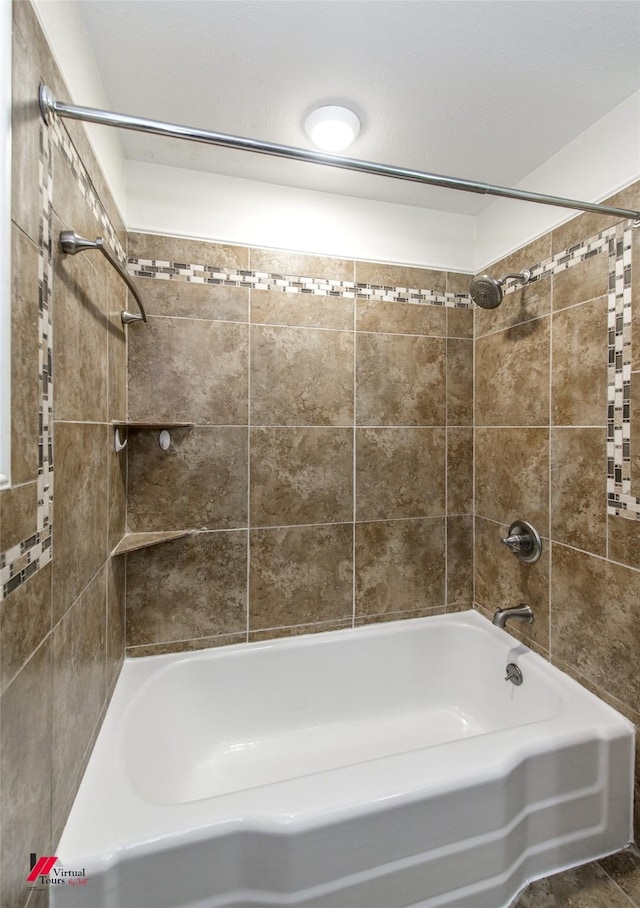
[(21, 561), (45, 359), (620, 499)]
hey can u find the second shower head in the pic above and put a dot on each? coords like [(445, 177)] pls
[(487, 292)]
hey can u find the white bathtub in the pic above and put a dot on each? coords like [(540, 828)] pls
[(381, 767)]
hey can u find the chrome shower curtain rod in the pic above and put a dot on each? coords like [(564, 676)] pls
[(49, 105)]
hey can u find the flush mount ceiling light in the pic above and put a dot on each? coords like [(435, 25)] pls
[(332, 128)]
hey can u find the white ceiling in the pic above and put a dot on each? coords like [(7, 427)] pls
[(482, 89)]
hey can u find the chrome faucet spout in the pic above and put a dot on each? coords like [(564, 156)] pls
[(522, 614)]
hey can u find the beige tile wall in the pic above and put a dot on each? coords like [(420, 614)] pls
[(328, 471), (540, 454), (62, 630)]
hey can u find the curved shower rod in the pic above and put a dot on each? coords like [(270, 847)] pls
[(49, 105)]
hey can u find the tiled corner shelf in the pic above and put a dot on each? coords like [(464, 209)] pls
[(131, 542), (142, 424), (147, 424)]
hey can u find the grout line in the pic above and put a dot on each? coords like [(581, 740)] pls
[(550, 467), (446, 473), (354, 443), (473, 461), (565, 545), (388, 333), (346, 620), (615, 882), (259, 630), (248, 590), (211, 426), (589, 684), (552, 426), (292, 526), (160, 317), (103, 566), (296, 327), (574, 548), (239, 633), (619, 888), (84, 422), (536, 318), (126, 484), (351, 426), (24, 233), (591, 299)]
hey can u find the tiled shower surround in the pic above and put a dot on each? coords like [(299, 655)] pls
[(328, 470), (326, 475)]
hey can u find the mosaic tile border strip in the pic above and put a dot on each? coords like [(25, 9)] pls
[(259, 280), (45, 352), (568, 258), (287, 283), (620, 501), (23, 560)]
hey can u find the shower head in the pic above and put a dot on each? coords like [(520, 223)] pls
[(487, 292)]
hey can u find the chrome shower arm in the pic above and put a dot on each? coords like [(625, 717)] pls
[(71, 244), (522, 276)]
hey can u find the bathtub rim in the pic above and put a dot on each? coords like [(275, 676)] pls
[(361, 786)]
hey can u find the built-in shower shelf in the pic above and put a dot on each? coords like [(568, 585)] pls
[(147, 424), (165, 438), (131, 542)]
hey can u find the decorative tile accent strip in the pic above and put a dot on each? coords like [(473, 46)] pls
[(568, 258), (45, 353), (21, 561), (620, 501), (29, 556), (260, 280)]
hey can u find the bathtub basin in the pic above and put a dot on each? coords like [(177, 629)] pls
[(386, 766)]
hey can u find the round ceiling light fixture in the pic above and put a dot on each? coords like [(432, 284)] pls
[(332, 128)]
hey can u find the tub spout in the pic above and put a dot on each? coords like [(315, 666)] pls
[(522, 613)]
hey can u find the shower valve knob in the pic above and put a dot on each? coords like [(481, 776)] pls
[(518, 543), (524, 541)]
